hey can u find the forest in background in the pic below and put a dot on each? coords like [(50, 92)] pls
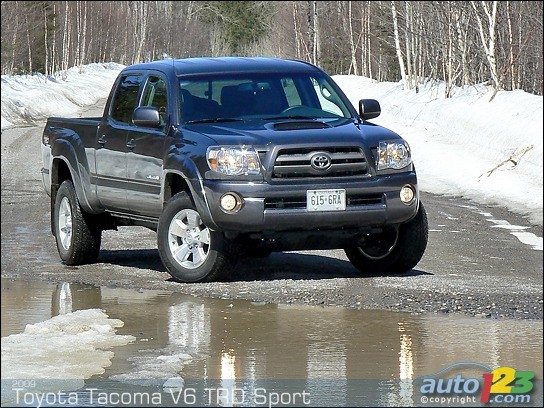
[(458, 42)]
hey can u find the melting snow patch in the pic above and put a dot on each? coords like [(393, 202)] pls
[(519, 232), (68, 346)]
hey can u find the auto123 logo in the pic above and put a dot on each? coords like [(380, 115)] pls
[(501, 385)]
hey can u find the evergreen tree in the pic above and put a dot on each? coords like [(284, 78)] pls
[(241, 22)]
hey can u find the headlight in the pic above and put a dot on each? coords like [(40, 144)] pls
[(234, 160), (393, 155)]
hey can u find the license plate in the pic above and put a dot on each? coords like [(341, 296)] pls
[(326, 200)]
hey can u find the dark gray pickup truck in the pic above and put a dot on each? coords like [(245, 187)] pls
[(233, 157)]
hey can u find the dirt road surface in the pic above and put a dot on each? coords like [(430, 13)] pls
[(469, 267)]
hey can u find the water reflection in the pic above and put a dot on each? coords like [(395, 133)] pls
[(230, 351), (406, 370)]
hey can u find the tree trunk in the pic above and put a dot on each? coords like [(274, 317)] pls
[(16, 29), (397, 44), (449, 64), (83, 47), (511, 46), (461, 29), (414, 43), (107, 36), (66, 39), (489, 39), (364, 49), (142, 21), (352, 47), (367, 38), (29, 45), (45, 44), (295, 25), (54, 52), (78, 33), (408, 37), (316, 51)]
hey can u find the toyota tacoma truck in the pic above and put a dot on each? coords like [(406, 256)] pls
[(231, 157)]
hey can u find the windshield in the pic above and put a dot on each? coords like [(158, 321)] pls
[(260, 96)]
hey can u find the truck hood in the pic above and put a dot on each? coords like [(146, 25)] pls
[(262, 133)]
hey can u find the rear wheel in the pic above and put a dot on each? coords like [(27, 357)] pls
[(78, 239), (190, 251), (395, 250)]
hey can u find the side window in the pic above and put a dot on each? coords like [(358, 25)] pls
[(197, 100), (154, 94), (125, 98), (326, 98)]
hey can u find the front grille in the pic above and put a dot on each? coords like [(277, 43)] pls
[(296, 163), (300, 202)]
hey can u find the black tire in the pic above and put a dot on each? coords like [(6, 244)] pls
[(395, 251), (78, 238), (190, 251)]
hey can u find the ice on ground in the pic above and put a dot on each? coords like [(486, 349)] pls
[(69, 346)]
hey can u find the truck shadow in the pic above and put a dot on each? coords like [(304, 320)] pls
[(276, 266), (132, 258), (295, 266)]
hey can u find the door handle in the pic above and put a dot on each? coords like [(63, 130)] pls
[(102, 140), (131, 144)]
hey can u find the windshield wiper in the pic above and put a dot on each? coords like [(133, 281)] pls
[(214, 120)]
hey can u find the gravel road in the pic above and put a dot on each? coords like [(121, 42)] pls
[(469, 268)]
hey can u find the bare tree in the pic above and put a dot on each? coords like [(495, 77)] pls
[(450, 71), (316, 44), (66, 38), (461, 43), (366, 44), (352, 46), (296, 31), (12, 63), (396, 37), (141, 20), (511, 48), (81, 24), (28, 44), (488, 36), (461, 22)]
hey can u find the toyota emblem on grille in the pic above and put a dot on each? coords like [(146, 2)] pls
[(321, 161)]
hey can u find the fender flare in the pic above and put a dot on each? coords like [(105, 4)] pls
[(187, 169), (76, 160)]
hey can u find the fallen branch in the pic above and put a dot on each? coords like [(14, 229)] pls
[(510, 159)]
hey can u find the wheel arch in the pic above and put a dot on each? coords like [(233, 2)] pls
[(68, 164), (176, 182)]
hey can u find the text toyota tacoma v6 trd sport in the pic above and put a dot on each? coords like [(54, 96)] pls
[(230, 156)]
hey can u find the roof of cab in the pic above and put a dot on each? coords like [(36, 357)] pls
[(210, 65)]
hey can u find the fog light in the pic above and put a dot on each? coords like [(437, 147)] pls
[(230, 202), (407, 194)]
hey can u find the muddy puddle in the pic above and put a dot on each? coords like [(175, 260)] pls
[(75, 344)]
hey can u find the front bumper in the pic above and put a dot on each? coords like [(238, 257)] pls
[(269, 208)]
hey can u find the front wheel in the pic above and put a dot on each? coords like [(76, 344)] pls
[(395, 250), (78, 239), (190, 251)]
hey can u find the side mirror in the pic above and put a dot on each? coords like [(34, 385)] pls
[(146, 116), (369, 109)]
